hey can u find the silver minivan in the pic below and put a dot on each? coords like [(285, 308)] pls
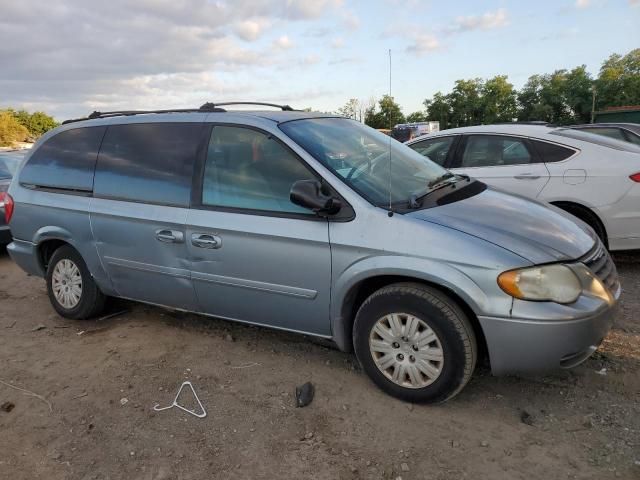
[(315, 224)]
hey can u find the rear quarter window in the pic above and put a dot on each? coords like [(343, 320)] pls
[(66, 161), (148, 162), (549, 152)]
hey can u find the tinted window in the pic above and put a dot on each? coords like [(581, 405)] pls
[(595, 139), (66, 160), (435, 149), (607, 132), (494, 151), (150, 162), (250, 170), (632, 137), (549, 152)]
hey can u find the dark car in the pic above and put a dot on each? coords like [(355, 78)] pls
[(627, 132), (9, 162)]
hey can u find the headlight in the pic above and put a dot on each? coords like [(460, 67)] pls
[(553, 283)]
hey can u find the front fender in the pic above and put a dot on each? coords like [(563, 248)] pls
[(432, 271)]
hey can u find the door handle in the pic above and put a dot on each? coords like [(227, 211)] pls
[(169, 236), (527, 176), (204, 240)]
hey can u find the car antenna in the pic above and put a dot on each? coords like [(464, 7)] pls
[(391, 127)]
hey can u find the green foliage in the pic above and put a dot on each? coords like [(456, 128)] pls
[(351, 109), (416, 117), (35, 123), (563, 97), (11, 130), (619, 81), (388, 116)]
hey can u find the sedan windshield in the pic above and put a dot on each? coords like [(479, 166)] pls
[(359, 155)]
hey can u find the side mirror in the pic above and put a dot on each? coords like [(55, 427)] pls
[(312, 195)]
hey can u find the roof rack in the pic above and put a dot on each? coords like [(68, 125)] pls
[(527, 122), (207, 107)]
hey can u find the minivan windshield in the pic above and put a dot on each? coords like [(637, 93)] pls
[(359, 155)]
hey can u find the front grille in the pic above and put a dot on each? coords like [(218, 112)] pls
[(600, 263)]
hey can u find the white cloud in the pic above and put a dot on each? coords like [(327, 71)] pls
[(423, 43), (142, 53), (351, 20), (283, 43), (486, 21), (337, 42), (251, 30), (583, 3), (306, 9)]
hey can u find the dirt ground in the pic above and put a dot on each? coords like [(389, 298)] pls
[(97, 382)]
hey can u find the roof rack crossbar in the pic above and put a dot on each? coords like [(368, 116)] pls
[(207, 107), (284, 108)]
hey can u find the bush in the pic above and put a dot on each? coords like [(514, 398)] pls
[(11, 130)]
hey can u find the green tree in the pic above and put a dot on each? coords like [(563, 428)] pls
[(498, 100), (351, 109), (388, 116), (618, 82), (578, 94), (466, 103), (416, 117), (439, 108), (11, 130), (40, 122)]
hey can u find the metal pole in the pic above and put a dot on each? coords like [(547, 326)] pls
[(593, 103)]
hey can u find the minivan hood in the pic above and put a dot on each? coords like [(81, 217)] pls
[(530, 229)]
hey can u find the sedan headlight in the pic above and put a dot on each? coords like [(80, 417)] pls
[(552, 283)]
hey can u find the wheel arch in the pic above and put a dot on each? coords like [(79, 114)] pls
[(359, 291)]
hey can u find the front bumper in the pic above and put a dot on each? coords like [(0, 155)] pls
[(520, 345), (5, 235)]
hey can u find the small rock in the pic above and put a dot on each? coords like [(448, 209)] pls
[(304, 395), (410, 407), (309, 436), (133, 454), (345, 453), (526, 418), (124, 401), (7, 406), (38, 327), (404, 467), (602, 371), (484, 443), (455, 444), (229, 338)]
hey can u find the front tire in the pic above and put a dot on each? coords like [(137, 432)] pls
[(415, 343), (71, 288)]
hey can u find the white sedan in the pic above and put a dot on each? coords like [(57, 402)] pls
[(595, 178)]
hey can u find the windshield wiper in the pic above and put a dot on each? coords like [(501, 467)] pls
[(438, 183), (440, 179)]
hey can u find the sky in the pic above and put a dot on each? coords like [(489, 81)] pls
[(70, 57)]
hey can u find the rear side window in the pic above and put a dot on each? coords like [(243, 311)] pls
[(549, 152), (436, 149), (494, 151), (148, 162), (607, 132), (66, 160)]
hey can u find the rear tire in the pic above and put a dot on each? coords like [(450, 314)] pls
[(71, 288), (415, 343)]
